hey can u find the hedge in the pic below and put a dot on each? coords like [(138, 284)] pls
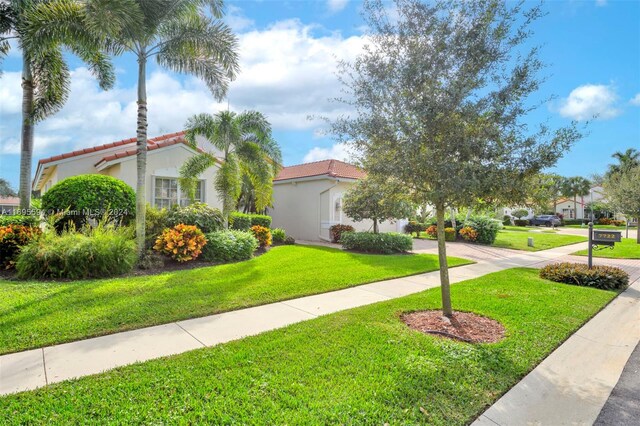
[(206, 218), (90, 196), (244, 221), (227, 246), (6, 220), (602, 277), (384, 243)]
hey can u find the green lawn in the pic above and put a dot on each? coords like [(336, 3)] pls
[(542, 229), (361, 366), (596, 227), (35, 314), (517, 240), (627, 249)]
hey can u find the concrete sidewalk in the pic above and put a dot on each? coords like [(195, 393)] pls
[(572, 385), (39, 367)]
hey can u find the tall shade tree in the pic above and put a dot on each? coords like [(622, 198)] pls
[(440, 94), (246, 149), (626, 161), (185, 36), (42, 29), (378, 200), (575, 187), (623, 192)]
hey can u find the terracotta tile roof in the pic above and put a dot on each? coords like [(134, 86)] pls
[(9, 201), (330, 168), (150, 142), (156, 143)]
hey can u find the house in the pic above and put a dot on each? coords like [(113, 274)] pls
[(579, 209), (165, 156), (9, 204), (307, 200)]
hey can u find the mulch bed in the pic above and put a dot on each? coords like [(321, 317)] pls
[(464, 326)]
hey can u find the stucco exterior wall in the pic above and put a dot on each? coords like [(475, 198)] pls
[(164, 162), (306, 209)]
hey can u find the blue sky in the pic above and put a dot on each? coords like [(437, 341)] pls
[(288, 54)]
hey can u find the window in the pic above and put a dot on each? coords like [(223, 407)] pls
[(167, 194)]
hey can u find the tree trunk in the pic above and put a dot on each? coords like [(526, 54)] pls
[(469, 210), (375, 226), (453, 217), (575, 206), (26, 149), (637, 231), (141, 155), (442, 257)]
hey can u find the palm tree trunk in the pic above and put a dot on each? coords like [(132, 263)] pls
[(375, 226), (453, 217), (575, 207), (447, 311), (141, 155), (26, 149)]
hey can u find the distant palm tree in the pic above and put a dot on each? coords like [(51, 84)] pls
[(185, 39), (576, 186), (626, 161), (42, 28), (247, 151)]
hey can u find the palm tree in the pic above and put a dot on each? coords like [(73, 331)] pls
[(578, 187), (41, 34), (626, 161), (247, 152), (182, 38)]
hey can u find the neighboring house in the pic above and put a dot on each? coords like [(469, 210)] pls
[(307, 200), (9, 204), (165, 156), (565, 206)]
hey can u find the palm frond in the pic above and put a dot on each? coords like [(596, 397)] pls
[(195, 44), (199, 125), (191, 170), (51, 81)]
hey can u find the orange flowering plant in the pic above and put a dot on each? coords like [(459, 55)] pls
[(12, 238), (262, 234), (181, 243), (468, 233)]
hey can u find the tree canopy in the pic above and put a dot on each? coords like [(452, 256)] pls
[(440, 95)]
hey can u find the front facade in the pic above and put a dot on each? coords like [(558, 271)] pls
[(307, 200), (165, 156), (579, 209), (9, 204)]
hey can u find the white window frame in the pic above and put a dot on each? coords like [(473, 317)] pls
[(179, 199)]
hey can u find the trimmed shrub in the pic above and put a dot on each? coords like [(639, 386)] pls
[(383, 243), (6, 220), (467, 233), (207, 219), (104, 251), (602, 277), (506, 220), (336, 231), (574, 221), (486, 227), (432, 231), (181, 243), (289, 241), (90, 197), (278, 235), (155, 222), (414, 227), (449, 234), (521, 222), (239, 221), (244, 221), (618, 222), (604, 221), (227, 246), (262, 234), (12, 238), (260, 220)]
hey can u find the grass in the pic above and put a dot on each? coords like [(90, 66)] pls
[(596, 227), (517, 240), (35, 314), (361, 366), (627, 249), (543, 230)]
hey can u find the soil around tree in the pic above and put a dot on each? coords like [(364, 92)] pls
[(464, 326)]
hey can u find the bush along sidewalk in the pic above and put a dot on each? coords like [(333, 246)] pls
[(602, 277)]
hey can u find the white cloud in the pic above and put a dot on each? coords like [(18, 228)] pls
[(339, 151), (635, 100), (590, 100), (237, 20), (336, 5), (287, 72)]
